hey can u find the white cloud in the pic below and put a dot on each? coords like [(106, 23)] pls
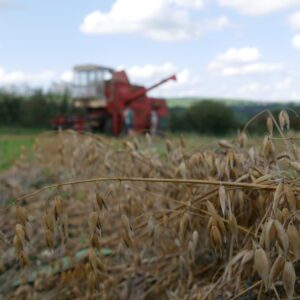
[(187, 83), (295, 96), (158, 19), (241, 61), (198, 4), (270, 91), (246, 54), (67, 76), (258, 68), (20, 77), (149, 72), (294, 20), (39, 79), (285, 83), (296, 41), (239, 87), (253, 88), (258, 7)]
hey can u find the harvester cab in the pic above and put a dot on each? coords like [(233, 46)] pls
[(88, 88)]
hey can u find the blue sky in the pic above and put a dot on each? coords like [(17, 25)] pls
[(218, 48)]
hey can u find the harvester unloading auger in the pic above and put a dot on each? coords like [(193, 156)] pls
[(105, 93)]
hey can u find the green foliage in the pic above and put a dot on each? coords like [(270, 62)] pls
[(259, 124), (10, 148), (219, 117), (34, 110), (204, 117), (177, 120), (209, 116)]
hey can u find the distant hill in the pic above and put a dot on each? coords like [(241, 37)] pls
[(184, 102)]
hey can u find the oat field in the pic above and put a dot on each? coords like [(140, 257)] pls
[(90, 217)]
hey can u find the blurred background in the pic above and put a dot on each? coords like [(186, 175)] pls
[(232, 59)]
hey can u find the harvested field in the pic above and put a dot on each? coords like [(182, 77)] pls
[(88, 217)]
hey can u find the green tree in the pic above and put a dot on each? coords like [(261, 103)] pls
[(204, 117), (36, 109), (211, 117)]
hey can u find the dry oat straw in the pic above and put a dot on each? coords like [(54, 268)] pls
[(91, 218)]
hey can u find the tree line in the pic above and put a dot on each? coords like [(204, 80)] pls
[(217, 118), (36, 109), (33, 109)]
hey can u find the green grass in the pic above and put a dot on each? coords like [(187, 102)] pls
[(20, 131), (12, 140)]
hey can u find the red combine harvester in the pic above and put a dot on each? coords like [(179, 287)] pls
[(104, 94)]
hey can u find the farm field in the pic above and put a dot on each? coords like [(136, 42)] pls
[(185, 217), (150, 150), (13, 141)]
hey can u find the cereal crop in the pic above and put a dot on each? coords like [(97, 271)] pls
[(88, 217)]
